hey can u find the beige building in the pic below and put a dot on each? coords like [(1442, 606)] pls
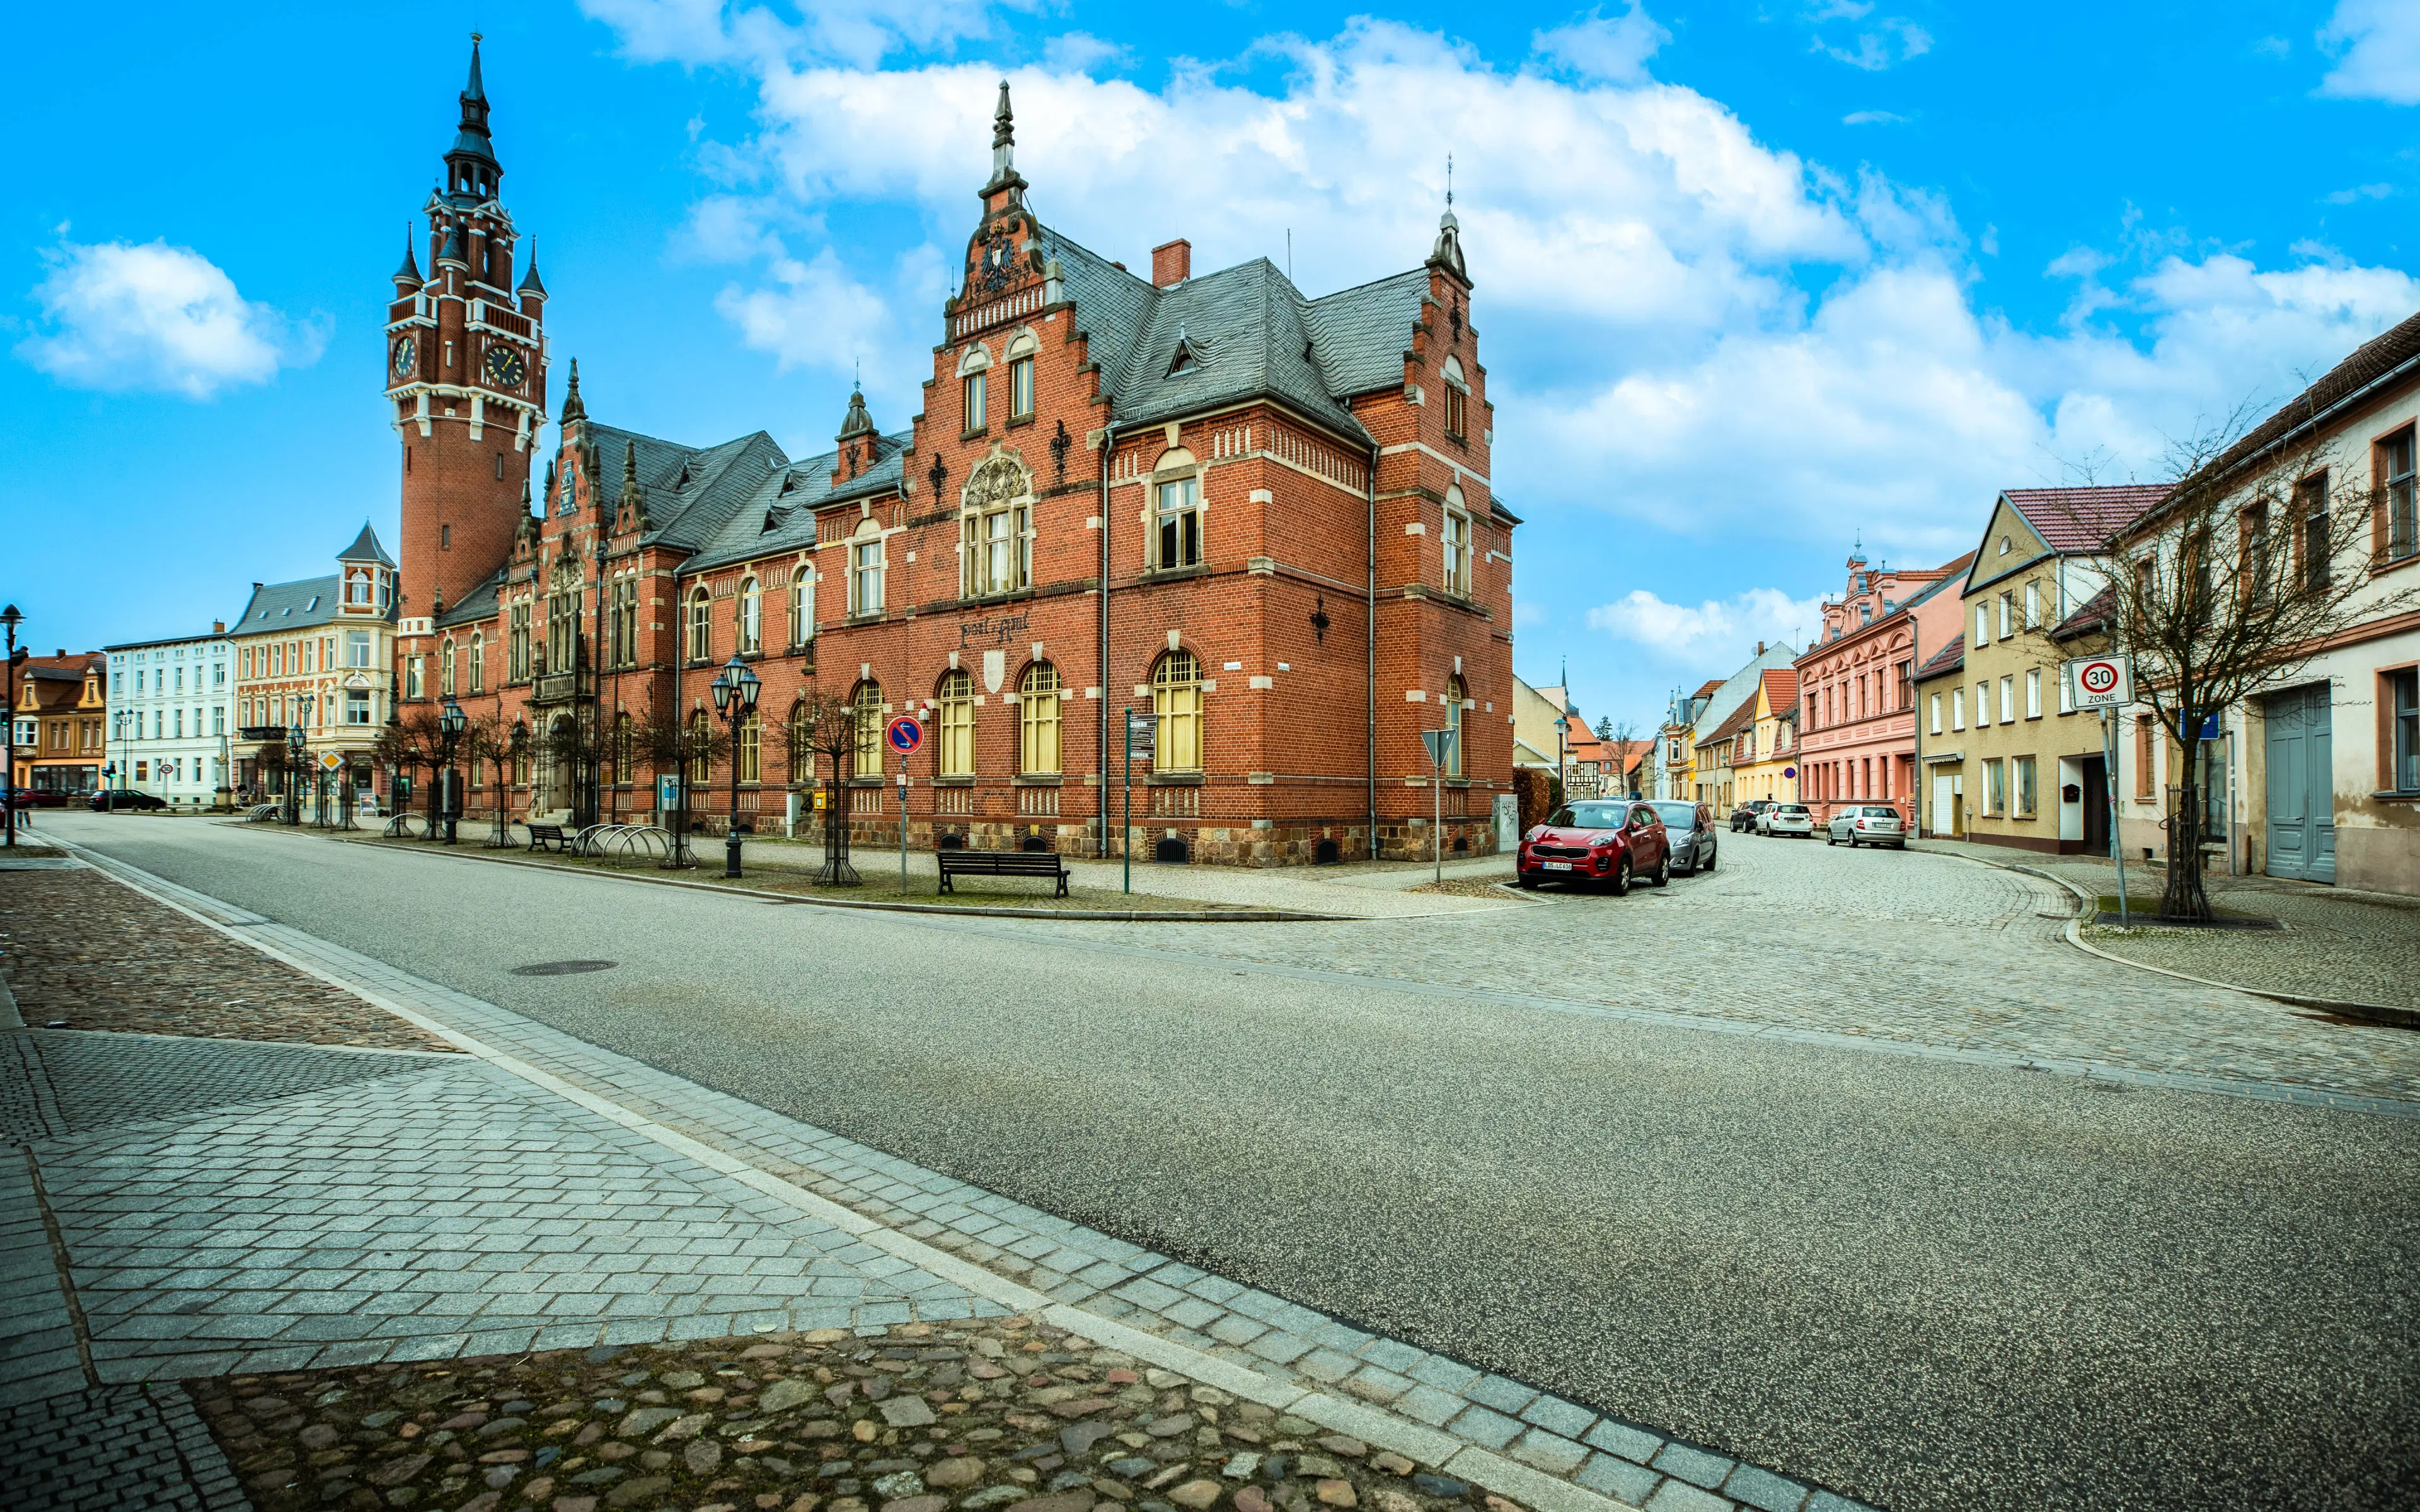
[(316, 655), (2005, 760)]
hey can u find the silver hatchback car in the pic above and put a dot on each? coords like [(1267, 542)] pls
[(1867, 825)]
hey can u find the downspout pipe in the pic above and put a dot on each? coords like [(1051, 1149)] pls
[(1109, 450), (1370, 644)]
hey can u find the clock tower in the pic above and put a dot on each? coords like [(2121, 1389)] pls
[(465, 377)]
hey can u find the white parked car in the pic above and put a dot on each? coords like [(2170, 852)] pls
[(1786, 818), (1867, 825)]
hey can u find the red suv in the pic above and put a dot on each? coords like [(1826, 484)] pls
[(1611, 841)]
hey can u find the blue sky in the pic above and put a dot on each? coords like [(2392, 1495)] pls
[(1752, 279)]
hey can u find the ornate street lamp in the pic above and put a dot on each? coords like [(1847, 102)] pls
[(296, 740), (10, 620), (521, 744), (735, 690), (449, 730)]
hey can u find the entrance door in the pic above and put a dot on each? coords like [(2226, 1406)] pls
[(1947, 818), (2302, 785), (2095, 783)]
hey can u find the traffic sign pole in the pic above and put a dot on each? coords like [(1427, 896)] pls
[(1126, 841), (906, 735)]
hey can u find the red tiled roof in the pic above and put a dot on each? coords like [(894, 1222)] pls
[(1950, 658), (2082, 519), (2093, 615), (1960, 565), (1707, 689), (1780, 688)]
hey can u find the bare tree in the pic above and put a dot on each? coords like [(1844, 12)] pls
[(823, 731), (687, 748), (2226, 587), (1623, 738)]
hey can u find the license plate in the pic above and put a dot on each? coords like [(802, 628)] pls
[(1555, 866)]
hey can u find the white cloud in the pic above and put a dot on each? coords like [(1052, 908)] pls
[(1684, 324), (2381, 42), (857, 32), (155, 317), (1614, 50), (2360, 192), (1872, 118), (1715, 633), (1891, 41)]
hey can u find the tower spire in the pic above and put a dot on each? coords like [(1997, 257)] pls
[(410, 272), (470, 163), (572, 408), (1003, 150)]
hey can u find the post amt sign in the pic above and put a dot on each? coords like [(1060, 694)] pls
[(2101, 682)]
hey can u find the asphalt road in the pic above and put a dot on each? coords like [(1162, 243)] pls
[(1925, 1284)]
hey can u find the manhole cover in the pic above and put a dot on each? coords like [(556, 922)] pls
[(563, 969)]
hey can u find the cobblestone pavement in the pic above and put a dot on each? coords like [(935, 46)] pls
[(1965, 1248), (1893, 949), (78, 947), (2337, 943), (112, 1449), (916, 1418)]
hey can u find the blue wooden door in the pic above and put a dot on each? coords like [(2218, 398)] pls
[(2301, 785)]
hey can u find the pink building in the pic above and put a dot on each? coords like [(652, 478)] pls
[(1856, 726)]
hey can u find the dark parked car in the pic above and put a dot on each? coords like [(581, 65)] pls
[(107, 801), (40, 799), (1690, 827), (1744, 816), (1609, 839)]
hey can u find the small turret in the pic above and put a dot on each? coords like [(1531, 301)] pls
[(532, 289), (572, 408), (407, 278)]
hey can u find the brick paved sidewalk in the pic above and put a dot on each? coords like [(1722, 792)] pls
[(2337, 943), (293, 1209)]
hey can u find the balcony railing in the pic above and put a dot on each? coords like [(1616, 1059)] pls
[(561, 688)]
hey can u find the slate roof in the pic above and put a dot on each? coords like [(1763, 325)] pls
[(2082, 519), (295, 606), (1741, 717), (366, 547), (1251, 331), (1950, 658), (478, 603), (692, 491), (779, 515)]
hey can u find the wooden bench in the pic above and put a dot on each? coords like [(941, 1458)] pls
[(1003, 864), (549, 837)]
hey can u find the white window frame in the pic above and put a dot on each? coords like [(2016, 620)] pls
[(1166, 518), (1936, 714), (1982, 625), (1957, 707), (866, 566), (2033, 693), (1455, 558), (2007, 698), (751, 616)]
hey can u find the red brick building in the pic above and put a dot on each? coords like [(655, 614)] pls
[(1261, 519)]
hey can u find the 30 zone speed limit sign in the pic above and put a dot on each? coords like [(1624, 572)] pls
[(2101, 682)]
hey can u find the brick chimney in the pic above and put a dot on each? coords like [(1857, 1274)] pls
[(218, 627), (1172, 263)]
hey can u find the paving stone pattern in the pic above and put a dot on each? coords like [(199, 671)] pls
[(110, 1449), (65, 1081), (76, 945), (1007, 1412), (37, 1346), (1109, 1276), (1904, 951)]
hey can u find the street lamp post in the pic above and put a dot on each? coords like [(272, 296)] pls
[(10, 620), (1562, 731), (449, 731), (295, 744), (735, 690), (505, 795)]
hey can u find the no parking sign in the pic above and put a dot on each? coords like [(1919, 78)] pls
[(904, 734)]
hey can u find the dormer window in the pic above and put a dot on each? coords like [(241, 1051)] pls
[(1186, 358)]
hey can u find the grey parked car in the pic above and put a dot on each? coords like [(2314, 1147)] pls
[(1867, 824), (1690, 827)]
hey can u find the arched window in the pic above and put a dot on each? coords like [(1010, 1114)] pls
[(1457, 400), (975, 369), (1456, 533), (750, 617), (1455, 696), (478, 662), (748, 747), (956, 699), (624, 632), (995, 534), (803, 604), (1176, 511), (1176, 700), (1037, 720), (867, 701), (802, 754), (1021, 348), (701, 627), (701, 745), (865, 570), (445, 670), (623, 773)]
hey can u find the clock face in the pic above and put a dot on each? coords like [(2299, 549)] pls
[(505, 369), (405, 351)]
